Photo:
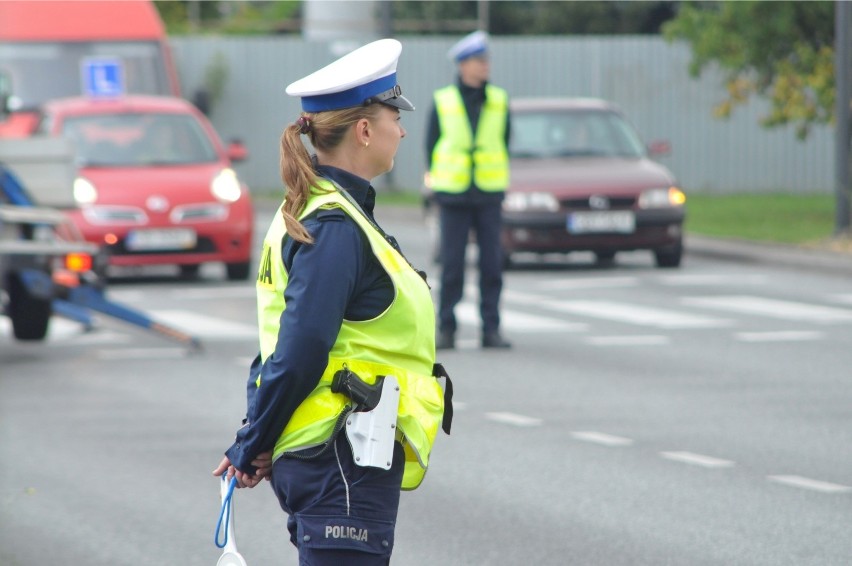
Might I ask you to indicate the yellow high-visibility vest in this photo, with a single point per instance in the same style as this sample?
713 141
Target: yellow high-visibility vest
399 342
459 156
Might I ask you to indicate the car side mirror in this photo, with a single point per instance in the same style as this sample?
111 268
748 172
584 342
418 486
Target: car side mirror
659 148
237 151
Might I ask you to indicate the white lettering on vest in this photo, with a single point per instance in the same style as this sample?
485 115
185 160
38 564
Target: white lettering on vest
340 531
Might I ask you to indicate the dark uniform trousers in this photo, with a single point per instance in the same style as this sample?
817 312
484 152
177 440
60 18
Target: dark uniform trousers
457 221
339 512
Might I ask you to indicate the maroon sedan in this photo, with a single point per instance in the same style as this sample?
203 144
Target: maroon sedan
582 181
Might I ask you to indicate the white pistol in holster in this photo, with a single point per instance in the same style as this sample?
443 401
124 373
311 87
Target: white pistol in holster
371 427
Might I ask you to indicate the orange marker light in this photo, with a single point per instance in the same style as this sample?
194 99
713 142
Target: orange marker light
78 262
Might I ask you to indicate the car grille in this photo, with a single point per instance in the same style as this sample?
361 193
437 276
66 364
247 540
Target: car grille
615 203
202 246
122 215
199 213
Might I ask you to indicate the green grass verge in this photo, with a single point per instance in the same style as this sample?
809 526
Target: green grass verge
775 217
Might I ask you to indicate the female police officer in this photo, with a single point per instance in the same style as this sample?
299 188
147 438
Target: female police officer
344 320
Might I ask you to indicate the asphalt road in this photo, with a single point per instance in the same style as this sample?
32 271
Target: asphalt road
697 416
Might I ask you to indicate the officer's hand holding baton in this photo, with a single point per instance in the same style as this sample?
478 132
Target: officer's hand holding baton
263 465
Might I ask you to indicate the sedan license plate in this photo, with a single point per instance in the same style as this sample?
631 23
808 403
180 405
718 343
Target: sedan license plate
166 239
612 221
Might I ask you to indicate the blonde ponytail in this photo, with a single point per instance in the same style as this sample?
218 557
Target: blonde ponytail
326 130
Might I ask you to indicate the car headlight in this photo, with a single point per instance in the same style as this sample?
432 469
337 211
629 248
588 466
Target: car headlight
84 191
226 186
661 198
517 202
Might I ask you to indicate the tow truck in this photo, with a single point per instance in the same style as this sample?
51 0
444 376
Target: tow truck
46 269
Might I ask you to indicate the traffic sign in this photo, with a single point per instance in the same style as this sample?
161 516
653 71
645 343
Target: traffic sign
103 77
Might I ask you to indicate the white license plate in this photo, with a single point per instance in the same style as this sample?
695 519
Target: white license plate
596 222
166 239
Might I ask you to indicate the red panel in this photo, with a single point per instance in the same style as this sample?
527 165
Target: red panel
42 20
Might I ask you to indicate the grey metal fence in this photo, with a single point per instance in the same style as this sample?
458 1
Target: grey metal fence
646 76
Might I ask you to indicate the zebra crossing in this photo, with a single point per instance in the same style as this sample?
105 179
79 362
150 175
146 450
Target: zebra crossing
594 308
749 318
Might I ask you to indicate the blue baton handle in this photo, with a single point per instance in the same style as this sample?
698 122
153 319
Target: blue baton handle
225 513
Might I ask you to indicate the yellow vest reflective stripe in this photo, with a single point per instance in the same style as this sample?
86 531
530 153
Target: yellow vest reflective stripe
458 155
399 342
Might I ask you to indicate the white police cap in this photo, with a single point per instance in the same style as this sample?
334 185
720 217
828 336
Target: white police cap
364 76
473 44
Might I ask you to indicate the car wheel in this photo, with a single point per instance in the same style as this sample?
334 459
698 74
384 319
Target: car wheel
189 272
238 271
30 315
605 257
670 256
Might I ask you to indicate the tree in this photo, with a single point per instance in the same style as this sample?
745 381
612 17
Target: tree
505 17
779 50
532 17
254 17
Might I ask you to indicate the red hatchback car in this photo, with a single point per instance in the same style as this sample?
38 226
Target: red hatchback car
582 180
155 183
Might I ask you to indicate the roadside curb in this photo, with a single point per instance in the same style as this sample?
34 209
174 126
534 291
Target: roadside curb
787 256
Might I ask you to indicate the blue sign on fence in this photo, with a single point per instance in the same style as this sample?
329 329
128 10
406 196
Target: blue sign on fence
103 77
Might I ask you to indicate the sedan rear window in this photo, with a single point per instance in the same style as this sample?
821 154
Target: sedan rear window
138 139
574 133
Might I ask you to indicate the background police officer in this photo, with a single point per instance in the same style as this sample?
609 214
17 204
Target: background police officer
466 145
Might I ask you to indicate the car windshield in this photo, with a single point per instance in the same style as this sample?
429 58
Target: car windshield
43 71
570 133
116 140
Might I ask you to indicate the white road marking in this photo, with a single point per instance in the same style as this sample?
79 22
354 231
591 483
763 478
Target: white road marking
844 298
699 279
204 326
143 353
786 310
468 313
587 283
127 296
468 344
513 419
813 485
642 340
697 459
639 315
602 438
780 336
100 337
63 330
203 293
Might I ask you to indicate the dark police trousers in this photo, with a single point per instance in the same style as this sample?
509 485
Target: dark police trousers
457 221
339 512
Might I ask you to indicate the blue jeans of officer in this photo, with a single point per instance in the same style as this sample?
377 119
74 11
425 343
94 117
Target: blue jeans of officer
457 221
339 512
